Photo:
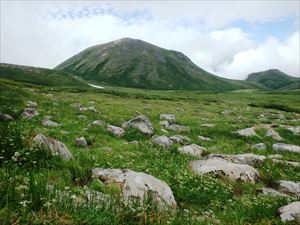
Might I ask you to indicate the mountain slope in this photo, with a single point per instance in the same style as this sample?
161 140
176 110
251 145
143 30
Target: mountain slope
274 79
135 63
38 76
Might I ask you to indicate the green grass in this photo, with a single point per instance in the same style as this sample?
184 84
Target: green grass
24 184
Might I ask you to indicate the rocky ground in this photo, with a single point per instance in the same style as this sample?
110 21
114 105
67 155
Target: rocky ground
124 156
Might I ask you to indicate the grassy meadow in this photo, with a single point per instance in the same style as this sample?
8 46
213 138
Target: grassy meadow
25 179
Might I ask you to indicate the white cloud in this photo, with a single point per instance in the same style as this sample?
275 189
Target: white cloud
29 36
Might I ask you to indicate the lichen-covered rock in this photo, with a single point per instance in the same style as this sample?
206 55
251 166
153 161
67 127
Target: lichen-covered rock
259 146
49 123
54 146
142 123
272 133
117 131
192 149
221 167
290 187
137 186
290 212
29 113
286 147
163 141
247 132
248 158
81 142
171 118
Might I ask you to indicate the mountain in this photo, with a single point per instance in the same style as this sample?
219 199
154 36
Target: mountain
38 76
275 79
135 63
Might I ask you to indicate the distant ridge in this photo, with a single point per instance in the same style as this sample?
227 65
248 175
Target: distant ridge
134 63
275 79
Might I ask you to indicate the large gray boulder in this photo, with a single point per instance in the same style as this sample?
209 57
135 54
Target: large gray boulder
221 167
163 141
29 113
117 131
247 132
142 123
137 186
49 123
290 212
272 133
247 158
286 147
54 146
192 149
290 187
171 118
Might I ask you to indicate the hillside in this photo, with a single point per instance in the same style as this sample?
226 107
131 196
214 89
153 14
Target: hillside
38 76
275 79
135 63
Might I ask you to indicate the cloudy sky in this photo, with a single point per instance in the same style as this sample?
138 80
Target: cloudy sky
230 39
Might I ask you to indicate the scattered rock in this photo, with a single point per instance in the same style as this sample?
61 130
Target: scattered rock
207 125
296 164
89 108
259 146
107 148
133 143
271 191
81 142
290 212
295 130
248 158
117 131
290 187
171 118
178 128
180 139
202 138
221 167
97 123
31 104
49 123
28 113
5 117
164 123
137 186
247 132
163 141
286 147
192 149
272 133
142 123
55 147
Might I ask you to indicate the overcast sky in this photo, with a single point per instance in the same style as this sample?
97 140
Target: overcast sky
230 39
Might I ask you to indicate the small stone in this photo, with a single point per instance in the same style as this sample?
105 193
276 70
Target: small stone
89 108
142 123
202 138
180 139
5 117
163 141
259 146
270 191
207 125
272 133
290 187
97 123
296 164
106 148
29 113
31 104
290 212
117 131
81 142
192 149
247 132
171 118
49 123
178 128
164 123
